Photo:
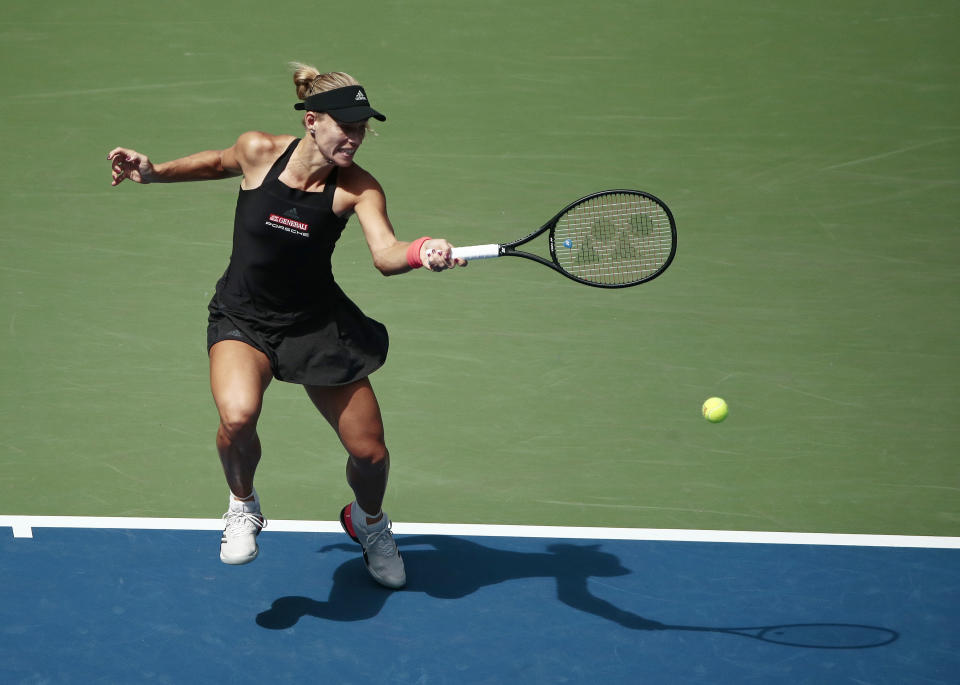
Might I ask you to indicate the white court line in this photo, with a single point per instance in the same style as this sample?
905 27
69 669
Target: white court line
130 88
890 153
23 528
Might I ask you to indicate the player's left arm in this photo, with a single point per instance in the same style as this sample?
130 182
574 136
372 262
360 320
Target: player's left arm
390 254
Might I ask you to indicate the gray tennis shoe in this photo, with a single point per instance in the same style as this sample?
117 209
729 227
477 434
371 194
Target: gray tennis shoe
380 553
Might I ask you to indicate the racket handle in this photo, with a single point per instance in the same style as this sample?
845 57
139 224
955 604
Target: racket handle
475 252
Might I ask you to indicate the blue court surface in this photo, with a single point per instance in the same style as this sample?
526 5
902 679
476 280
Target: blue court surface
156 606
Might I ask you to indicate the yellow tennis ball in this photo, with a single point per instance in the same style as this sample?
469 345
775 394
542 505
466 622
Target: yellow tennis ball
715 410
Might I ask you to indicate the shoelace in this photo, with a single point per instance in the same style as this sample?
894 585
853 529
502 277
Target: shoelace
242 523
381 542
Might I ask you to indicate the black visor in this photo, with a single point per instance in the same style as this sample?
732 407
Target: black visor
348 104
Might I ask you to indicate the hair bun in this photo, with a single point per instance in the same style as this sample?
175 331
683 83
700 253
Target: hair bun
303 78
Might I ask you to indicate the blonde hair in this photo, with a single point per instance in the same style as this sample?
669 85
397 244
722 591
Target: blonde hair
309 81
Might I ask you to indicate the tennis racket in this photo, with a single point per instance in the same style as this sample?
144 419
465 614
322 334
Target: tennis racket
610 239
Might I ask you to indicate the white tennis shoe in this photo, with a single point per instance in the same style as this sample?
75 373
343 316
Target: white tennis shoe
242 524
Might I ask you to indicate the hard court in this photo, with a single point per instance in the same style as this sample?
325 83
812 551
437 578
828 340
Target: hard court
565 513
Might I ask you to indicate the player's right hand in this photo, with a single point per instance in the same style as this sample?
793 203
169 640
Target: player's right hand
126 163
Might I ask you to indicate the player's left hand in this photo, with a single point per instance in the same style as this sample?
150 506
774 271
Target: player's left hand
436 255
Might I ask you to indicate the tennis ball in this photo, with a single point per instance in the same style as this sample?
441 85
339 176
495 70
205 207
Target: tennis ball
715 410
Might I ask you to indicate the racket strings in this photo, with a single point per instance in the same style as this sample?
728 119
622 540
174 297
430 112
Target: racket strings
614 239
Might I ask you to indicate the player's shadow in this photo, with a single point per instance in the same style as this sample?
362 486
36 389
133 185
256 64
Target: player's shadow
451 567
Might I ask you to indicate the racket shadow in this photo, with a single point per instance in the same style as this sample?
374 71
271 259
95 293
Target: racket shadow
447 567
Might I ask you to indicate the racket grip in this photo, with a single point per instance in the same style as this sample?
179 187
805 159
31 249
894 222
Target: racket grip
469 252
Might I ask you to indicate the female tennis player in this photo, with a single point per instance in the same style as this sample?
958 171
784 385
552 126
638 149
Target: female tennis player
278 313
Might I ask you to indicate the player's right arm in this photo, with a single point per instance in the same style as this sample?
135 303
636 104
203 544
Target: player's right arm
246 157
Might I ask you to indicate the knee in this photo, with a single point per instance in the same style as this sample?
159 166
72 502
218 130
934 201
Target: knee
238 420
369 454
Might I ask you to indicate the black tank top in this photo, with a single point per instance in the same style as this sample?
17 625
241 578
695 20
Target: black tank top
283 238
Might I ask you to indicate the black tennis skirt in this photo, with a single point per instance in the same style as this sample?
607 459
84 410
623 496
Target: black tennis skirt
340 347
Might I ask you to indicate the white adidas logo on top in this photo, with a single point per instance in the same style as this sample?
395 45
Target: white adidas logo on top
361 96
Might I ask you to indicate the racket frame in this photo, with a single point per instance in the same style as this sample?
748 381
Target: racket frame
509 249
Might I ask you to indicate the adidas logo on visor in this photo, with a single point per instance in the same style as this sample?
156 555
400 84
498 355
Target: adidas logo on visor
361 96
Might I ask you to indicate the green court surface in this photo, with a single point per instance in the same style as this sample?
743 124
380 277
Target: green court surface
809 151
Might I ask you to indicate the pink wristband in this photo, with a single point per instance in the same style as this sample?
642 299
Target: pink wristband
413 252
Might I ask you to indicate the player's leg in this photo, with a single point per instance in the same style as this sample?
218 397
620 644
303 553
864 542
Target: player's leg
239 375
354 413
